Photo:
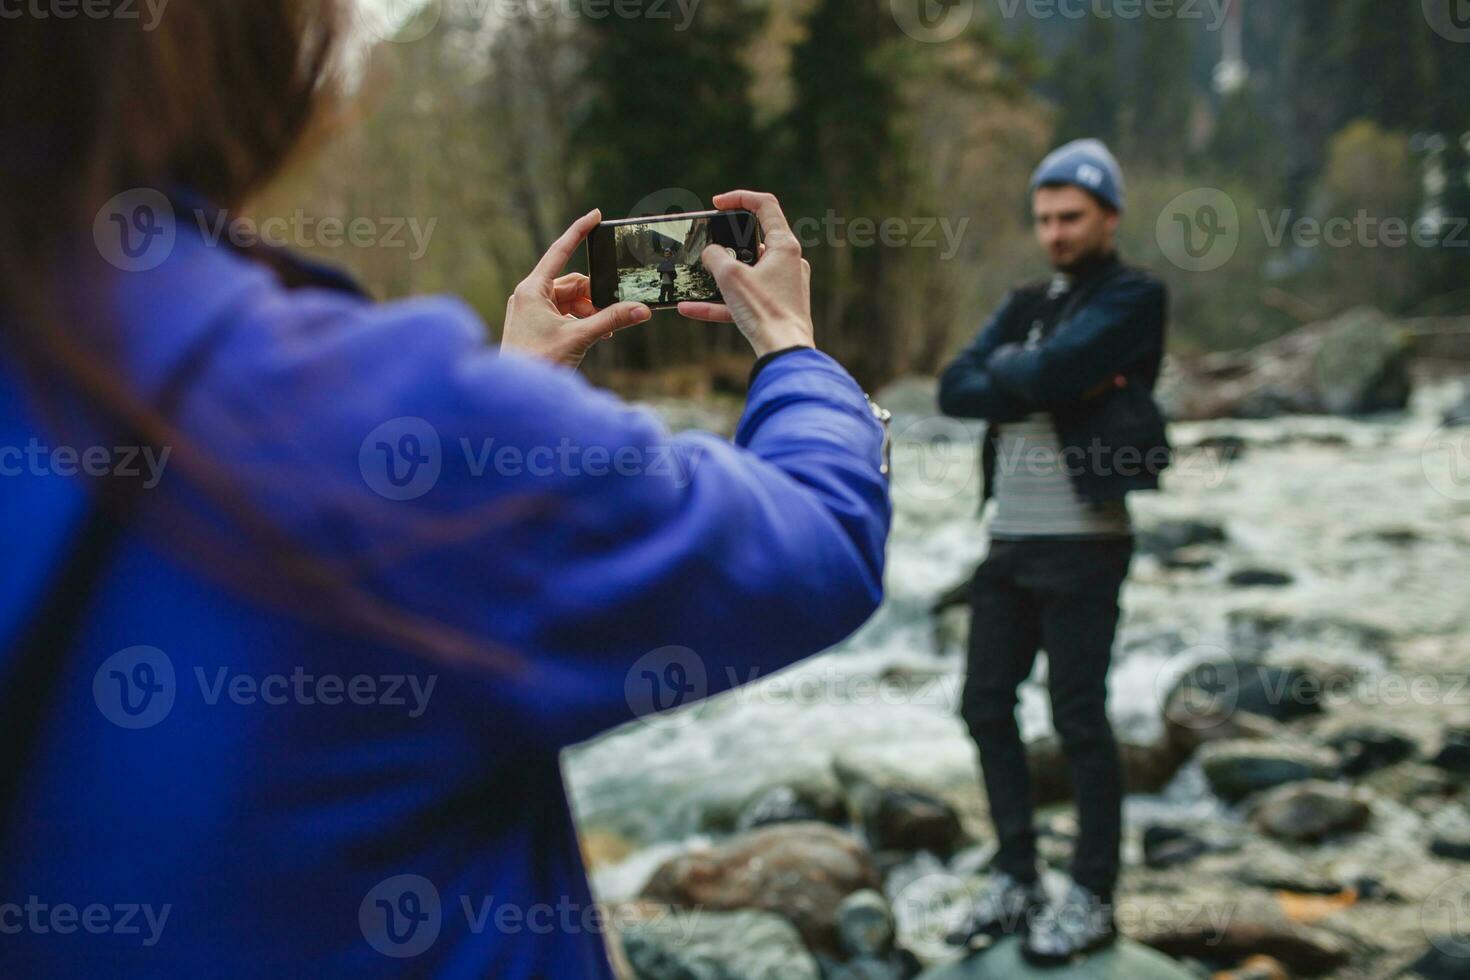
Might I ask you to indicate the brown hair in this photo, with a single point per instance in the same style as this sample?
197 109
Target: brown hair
217 95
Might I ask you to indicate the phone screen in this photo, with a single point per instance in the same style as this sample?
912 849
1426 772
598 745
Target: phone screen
657 260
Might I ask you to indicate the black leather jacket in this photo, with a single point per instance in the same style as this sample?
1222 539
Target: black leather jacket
1092 364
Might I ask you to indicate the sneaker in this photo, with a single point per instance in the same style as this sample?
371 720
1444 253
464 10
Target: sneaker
1080 923
1003 907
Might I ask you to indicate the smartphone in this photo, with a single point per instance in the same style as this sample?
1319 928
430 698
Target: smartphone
656 260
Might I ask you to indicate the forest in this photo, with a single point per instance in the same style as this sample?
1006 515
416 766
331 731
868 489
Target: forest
902 157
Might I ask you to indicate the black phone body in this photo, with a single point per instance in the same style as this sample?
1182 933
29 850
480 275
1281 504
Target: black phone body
657 260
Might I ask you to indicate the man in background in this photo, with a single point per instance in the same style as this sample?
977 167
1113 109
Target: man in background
668 274
1064 373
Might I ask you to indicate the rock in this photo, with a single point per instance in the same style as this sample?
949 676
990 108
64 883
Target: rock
1257 968
901 818
1278 871
1259 578
1397 537
1165 847
1310 811
1354 364
1454 754
898 965
1147 768
1236 769
1124 960
791 804
1303 949
1192 559
1411 783
865 924
1194 716
603 847
1446 959
800 870
1254 633
707 945
1455 848
1362 365
1229 686
1228 447
1459 413
1166 537
1366 749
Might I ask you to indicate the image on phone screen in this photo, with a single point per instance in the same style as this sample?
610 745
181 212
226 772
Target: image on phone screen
658 260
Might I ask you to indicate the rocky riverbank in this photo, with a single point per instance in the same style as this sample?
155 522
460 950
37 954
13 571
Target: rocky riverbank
1290 682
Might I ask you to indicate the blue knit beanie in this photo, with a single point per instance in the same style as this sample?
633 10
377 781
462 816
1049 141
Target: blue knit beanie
1087 164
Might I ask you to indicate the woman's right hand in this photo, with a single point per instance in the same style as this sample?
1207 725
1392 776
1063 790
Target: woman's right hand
771 301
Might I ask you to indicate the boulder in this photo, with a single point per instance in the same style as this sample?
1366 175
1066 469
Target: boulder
900 818
1362 365
1161 540
1304 950
1354 364
791 804
1147 768
1310 811
1454 847
1366 748
1454 753
1276 870
1246 578
865 924
1458 413
802 871
1235 769
1445 959
1165 847
1257 968
705 945
1124 960
1217 691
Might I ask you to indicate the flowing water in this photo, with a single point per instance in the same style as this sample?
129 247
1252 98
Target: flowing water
1369 518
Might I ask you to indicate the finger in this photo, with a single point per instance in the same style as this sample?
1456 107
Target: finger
721 264
709 312
766 208
560 253
582 308
615 318
570 287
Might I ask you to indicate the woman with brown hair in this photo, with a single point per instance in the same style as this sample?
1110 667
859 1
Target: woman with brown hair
303 593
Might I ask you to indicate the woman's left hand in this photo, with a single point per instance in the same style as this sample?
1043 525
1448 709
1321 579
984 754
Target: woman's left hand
552 316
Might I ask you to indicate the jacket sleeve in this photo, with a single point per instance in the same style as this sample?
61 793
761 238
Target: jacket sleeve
733 561
967 389
1114 330
578 534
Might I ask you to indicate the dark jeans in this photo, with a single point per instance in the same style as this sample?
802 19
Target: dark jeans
667 292
1060 595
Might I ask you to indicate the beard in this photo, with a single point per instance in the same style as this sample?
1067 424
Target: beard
1083 260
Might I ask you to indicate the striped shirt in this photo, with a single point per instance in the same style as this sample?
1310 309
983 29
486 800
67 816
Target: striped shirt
1034 496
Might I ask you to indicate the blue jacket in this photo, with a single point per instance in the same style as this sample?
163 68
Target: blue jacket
1114 326
221 790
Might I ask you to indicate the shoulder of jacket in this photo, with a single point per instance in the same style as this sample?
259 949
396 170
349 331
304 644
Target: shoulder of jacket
1135 275
1035 289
